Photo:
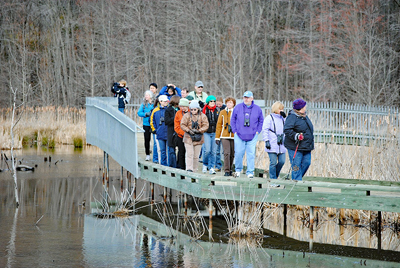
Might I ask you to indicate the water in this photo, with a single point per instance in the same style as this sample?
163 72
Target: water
55 227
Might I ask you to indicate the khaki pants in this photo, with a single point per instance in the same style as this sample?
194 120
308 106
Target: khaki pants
192 156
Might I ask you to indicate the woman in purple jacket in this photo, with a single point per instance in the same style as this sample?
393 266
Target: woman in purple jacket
274 137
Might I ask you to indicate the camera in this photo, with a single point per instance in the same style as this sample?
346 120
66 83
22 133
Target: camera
161 120
279 139
247 122
229 128
195 125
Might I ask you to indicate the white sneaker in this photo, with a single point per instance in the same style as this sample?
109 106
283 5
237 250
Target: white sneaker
236 174
250 176
204 169
212 171
147 157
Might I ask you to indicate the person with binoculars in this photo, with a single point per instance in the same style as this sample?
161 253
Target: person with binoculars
121 92
246 123
274 137
299 139
160 128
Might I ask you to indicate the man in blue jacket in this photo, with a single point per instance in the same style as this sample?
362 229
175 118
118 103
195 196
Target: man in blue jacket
246 123
161 128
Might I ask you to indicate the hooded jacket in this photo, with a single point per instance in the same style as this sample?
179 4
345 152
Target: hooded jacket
254 114
273 125
297 124
159 123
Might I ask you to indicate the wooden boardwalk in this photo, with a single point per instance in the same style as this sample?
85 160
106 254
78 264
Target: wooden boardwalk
312 191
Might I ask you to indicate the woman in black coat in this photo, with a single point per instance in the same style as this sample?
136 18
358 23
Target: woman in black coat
170 112
299 139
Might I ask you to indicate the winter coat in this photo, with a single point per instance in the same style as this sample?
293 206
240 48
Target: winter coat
164 91
224 119
212 117
159 123
273 125
145 108
297 124
169 121
255 116
122 93
177 123
186 125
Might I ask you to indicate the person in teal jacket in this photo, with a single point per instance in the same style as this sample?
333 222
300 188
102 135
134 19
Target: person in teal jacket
145 111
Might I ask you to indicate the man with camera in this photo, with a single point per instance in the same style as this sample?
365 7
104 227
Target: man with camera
274 137
246 123
161 128
122 93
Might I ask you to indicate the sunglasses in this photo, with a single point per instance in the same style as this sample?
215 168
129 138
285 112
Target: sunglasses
200 87
212 101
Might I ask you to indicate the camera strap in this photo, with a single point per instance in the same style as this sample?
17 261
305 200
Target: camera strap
283 122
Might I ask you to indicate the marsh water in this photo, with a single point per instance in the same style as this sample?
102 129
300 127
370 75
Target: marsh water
55 226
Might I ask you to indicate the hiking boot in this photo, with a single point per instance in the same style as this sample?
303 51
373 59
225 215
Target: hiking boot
212 171
204 170
227 174
147 157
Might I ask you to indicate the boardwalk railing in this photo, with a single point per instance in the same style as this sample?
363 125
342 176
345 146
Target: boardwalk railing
350 123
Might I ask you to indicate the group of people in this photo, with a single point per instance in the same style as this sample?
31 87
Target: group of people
201 125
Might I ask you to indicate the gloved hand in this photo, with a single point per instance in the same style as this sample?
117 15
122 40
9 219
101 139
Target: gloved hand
147 114
299 136
217 142
268 145
191 132
196 131
283 114
153 131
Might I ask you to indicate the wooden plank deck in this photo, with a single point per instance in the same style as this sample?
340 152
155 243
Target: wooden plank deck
312 191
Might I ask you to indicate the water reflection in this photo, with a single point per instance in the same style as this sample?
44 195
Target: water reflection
54 226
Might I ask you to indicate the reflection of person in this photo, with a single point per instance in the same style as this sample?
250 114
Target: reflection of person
198 93
122 93
273 136
145 111
161 128
299 139
194 122
225 135
246 122
184 108
169 121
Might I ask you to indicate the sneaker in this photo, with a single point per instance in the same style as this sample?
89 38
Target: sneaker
274 185
236 174
189 170
147 157
212 171
250 176
204 169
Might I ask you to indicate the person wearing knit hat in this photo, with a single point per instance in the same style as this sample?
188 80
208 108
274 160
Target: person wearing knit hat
210 147
299 139
183 109
194 124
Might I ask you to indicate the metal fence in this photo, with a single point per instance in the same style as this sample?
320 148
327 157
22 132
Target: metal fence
343 123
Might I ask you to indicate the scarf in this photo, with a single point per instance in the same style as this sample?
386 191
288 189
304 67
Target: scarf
300 114
209 108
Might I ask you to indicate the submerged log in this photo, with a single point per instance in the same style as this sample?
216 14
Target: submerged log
24 168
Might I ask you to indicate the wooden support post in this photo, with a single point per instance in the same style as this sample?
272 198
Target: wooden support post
122 181
186 205
284 219
152 193
107 171
104 167
134 188
165 195
210 209
379 229
311 227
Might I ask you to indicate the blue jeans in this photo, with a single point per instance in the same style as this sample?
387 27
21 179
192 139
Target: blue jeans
155 150
276 162
171 156
210 150
301 163
163 151
218 163
122 110
240 148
